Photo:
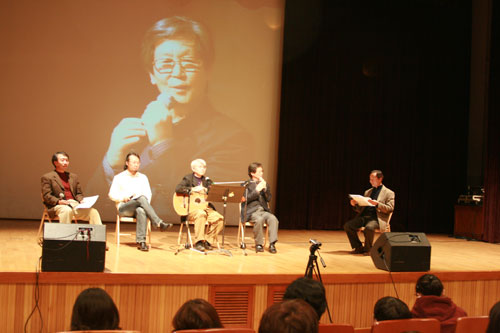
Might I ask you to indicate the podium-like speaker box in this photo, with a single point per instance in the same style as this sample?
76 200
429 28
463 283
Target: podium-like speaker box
73 247
402 252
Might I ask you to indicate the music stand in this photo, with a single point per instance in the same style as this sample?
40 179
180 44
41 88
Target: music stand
226 192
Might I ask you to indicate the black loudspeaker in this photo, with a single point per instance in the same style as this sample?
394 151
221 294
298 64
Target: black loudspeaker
73 247
402 252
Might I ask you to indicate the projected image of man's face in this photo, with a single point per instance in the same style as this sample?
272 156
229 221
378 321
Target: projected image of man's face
178 71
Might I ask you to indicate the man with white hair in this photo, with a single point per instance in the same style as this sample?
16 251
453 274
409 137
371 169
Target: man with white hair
197 183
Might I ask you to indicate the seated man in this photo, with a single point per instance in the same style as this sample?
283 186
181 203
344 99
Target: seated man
370 217
62 192
196 182
256 208
131 192
390 308
431 303
310 290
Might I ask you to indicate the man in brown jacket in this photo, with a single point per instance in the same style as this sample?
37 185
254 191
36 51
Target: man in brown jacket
61 192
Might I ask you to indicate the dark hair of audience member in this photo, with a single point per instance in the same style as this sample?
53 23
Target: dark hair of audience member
94 310
494 324
195 314
429 284
310 290
390 308
292 316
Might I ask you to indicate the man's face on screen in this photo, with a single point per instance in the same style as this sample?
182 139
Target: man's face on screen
178 71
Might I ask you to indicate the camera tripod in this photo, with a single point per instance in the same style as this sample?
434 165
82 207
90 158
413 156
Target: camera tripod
313 267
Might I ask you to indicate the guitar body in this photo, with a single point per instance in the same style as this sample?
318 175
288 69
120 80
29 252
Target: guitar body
195 201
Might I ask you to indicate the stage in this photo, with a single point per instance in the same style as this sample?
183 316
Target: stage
148 287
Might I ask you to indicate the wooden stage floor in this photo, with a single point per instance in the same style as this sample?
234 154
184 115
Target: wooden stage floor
144 284
20 253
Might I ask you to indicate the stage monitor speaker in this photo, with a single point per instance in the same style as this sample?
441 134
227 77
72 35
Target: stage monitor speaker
73 247
402 252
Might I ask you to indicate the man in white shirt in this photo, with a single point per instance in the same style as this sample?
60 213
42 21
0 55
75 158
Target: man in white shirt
131 192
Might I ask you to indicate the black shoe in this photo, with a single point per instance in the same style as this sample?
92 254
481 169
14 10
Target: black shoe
272 248
199 246
358 250
164 226
259 248
207 246
142 246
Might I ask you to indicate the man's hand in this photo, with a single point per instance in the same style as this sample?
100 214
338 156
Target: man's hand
63 202
353 202
199 189
373 202
157 120
127 199
126 134
261 185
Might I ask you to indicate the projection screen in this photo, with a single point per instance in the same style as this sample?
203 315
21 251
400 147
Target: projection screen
93 78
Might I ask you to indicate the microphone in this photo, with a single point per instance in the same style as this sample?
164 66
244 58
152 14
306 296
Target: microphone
167 100
63 197
246 183
209 181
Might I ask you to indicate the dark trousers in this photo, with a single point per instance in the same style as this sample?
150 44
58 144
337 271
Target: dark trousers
260 217
351 228
141 210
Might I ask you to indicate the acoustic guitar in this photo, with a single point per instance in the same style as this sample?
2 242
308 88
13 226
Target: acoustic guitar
195 201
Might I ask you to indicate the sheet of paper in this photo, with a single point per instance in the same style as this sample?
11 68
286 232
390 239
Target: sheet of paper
88 202
361 200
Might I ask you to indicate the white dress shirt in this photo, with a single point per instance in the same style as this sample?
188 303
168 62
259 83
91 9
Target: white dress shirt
126 185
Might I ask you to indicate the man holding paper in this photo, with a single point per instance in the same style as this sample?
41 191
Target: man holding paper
373 210
61 192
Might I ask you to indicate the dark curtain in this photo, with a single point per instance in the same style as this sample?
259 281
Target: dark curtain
492 172
373 85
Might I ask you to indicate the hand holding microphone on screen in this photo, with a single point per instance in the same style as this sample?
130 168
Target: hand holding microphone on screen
155 125
158 119
126 136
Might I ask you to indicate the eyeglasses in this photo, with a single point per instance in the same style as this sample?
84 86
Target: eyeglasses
167 65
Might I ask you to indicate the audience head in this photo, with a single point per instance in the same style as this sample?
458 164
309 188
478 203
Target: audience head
94 310
292 316
196 314
390 308
311 291
494 325
429 284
